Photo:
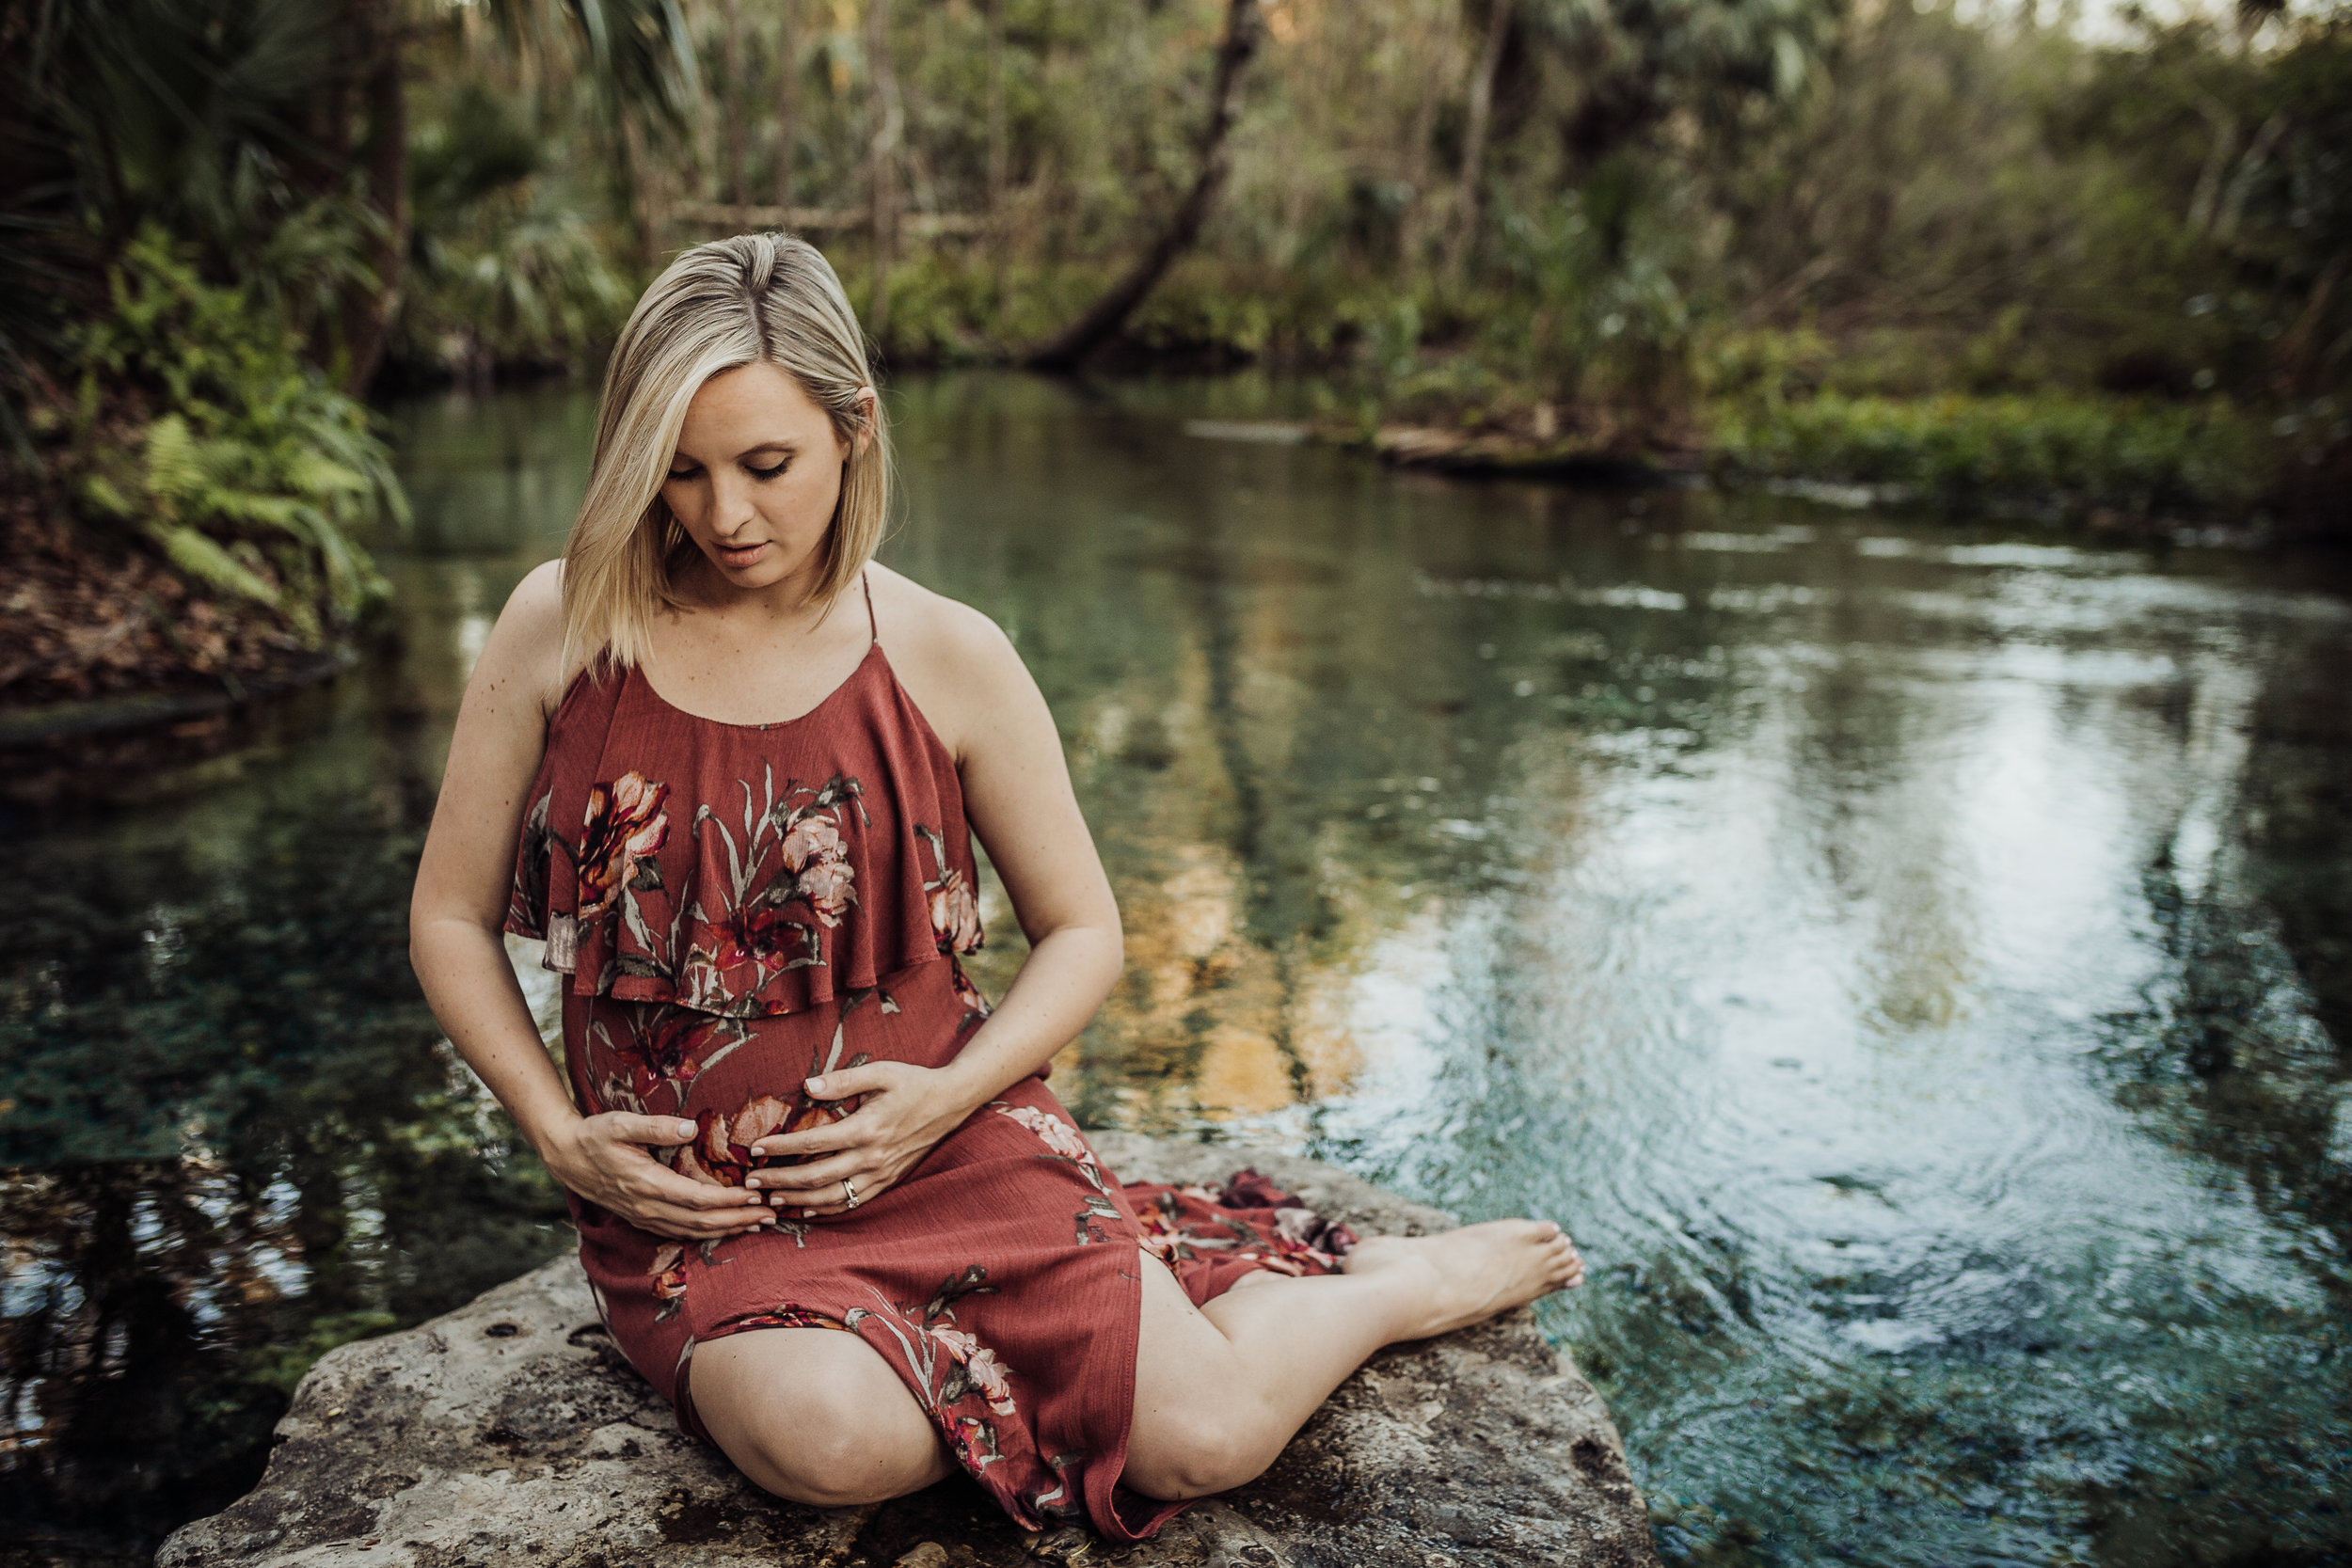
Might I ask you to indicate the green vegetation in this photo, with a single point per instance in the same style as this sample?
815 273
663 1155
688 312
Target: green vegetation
220 224
2130 455
257 478
1977 252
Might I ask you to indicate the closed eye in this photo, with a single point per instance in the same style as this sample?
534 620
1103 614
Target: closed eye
694 471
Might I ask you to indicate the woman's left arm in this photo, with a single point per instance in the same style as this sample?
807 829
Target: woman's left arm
1017 794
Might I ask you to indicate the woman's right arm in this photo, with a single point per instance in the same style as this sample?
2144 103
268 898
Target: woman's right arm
458 913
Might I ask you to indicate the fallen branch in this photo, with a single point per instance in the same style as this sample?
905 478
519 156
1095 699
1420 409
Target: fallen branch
1109 313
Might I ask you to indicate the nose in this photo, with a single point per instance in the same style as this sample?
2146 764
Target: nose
731 508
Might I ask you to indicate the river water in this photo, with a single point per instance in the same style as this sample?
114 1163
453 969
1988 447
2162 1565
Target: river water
1909 954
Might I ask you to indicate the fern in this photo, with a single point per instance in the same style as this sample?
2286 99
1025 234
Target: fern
200 555
252 447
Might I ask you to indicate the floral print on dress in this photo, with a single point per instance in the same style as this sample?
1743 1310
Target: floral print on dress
981 1368
1302 1242
653 1071
959 1380
720 1153
788 1316
1054 1132
789 878
624 826
1064 1142
976 1007
668 1272
747 900
955 913
526 899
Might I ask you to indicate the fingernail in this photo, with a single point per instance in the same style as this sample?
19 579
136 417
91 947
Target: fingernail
685 1129
816 1085
751 1182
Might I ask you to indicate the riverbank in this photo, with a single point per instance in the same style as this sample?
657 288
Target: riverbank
90 615
2112 464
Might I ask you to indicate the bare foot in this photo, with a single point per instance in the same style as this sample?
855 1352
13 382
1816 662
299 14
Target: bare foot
1469 1275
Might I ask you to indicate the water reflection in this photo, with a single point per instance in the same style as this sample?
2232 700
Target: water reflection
1909 954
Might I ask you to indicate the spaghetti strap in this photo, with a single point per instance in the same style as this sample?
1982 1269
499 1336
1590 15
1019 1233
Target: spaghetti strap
871 629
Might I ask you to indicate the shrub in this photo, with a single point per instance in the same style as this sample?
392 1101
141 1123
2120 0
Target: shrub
224 449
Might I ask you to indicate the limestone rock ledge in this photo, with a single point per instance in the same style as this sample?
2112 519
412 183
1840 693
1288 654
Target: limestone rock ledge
511 1432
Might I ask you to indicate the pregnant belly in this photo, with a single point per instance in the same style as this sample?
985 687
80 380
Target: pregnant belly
743 1079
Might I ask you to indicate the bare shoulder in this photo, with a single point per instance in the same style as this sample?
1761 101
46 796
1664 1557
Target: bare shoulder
523 656
953 660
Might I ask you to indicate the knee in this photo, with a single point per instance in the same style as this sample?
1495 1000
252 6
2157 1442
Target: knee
819 1451
1174 1455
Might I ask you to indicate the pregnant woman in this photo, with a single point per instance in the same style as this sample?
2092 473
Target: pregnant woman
727 768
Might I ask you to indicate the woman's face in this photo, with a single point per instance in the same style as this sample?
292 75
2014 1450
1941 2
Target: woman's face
756 476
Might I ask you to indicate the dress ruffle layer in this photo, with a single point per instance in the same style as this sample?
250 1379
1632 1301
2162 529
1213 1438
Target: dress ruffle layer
728 889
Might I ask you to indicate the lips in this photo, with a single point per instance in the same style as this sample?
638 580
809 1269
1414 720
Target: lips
741 556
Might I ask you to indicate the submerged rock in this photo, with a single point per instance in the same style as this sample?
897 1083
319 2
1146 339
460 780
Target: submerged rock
511 1431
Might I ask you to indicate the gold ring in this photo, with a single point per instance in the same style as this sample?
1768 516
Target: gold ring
849 1194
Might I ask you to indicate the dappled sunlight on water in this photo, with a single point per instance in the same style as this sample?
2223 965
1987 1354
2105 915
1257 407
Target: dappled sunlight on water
1905 953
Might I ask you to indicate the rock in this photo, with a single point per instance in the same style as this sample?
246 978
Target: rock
512 1431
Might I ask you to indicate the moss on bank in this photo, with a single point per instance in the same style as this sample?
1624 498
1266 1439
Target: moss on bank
2037 450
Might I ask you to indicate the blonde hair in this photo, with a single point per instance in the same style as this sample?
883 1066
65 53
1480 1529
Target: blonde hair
751 299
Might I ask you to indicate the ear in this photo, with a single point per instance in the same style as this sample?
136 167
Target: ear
868 402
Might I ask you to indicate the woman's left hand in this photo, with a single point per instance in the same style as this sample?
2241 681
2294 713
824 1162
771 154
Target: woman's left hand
907 1110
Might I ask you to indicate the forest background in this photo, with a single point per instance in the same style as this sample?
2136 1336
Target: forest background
2090 267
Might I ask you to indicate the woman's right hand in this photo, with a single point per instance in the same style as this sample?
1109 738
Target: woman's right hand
604 1159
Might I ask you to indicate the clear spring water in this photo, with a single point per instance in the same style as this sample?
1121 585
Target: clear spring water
1909 954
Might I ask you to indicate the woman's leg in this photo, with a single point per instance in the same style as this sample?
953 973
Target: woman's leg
815 1415
1220 1390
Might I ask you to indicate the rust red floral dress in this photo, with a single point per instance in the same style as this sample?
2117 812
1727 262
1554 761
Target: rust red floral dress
741 907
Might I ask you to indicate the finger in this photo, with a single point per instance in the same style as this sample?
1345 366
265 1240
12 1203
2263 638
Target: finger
800 1184
844 1081
704 1224
830 1138
735 1214
663 1131
664 1185
826 1211
870 1187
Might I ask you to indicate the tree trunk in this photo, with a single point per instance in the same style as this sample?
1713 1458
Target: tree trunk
998 240
787 100
1412 223
646 206
732 107
1482 103
368 322
2291 361
1107 314
883 115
